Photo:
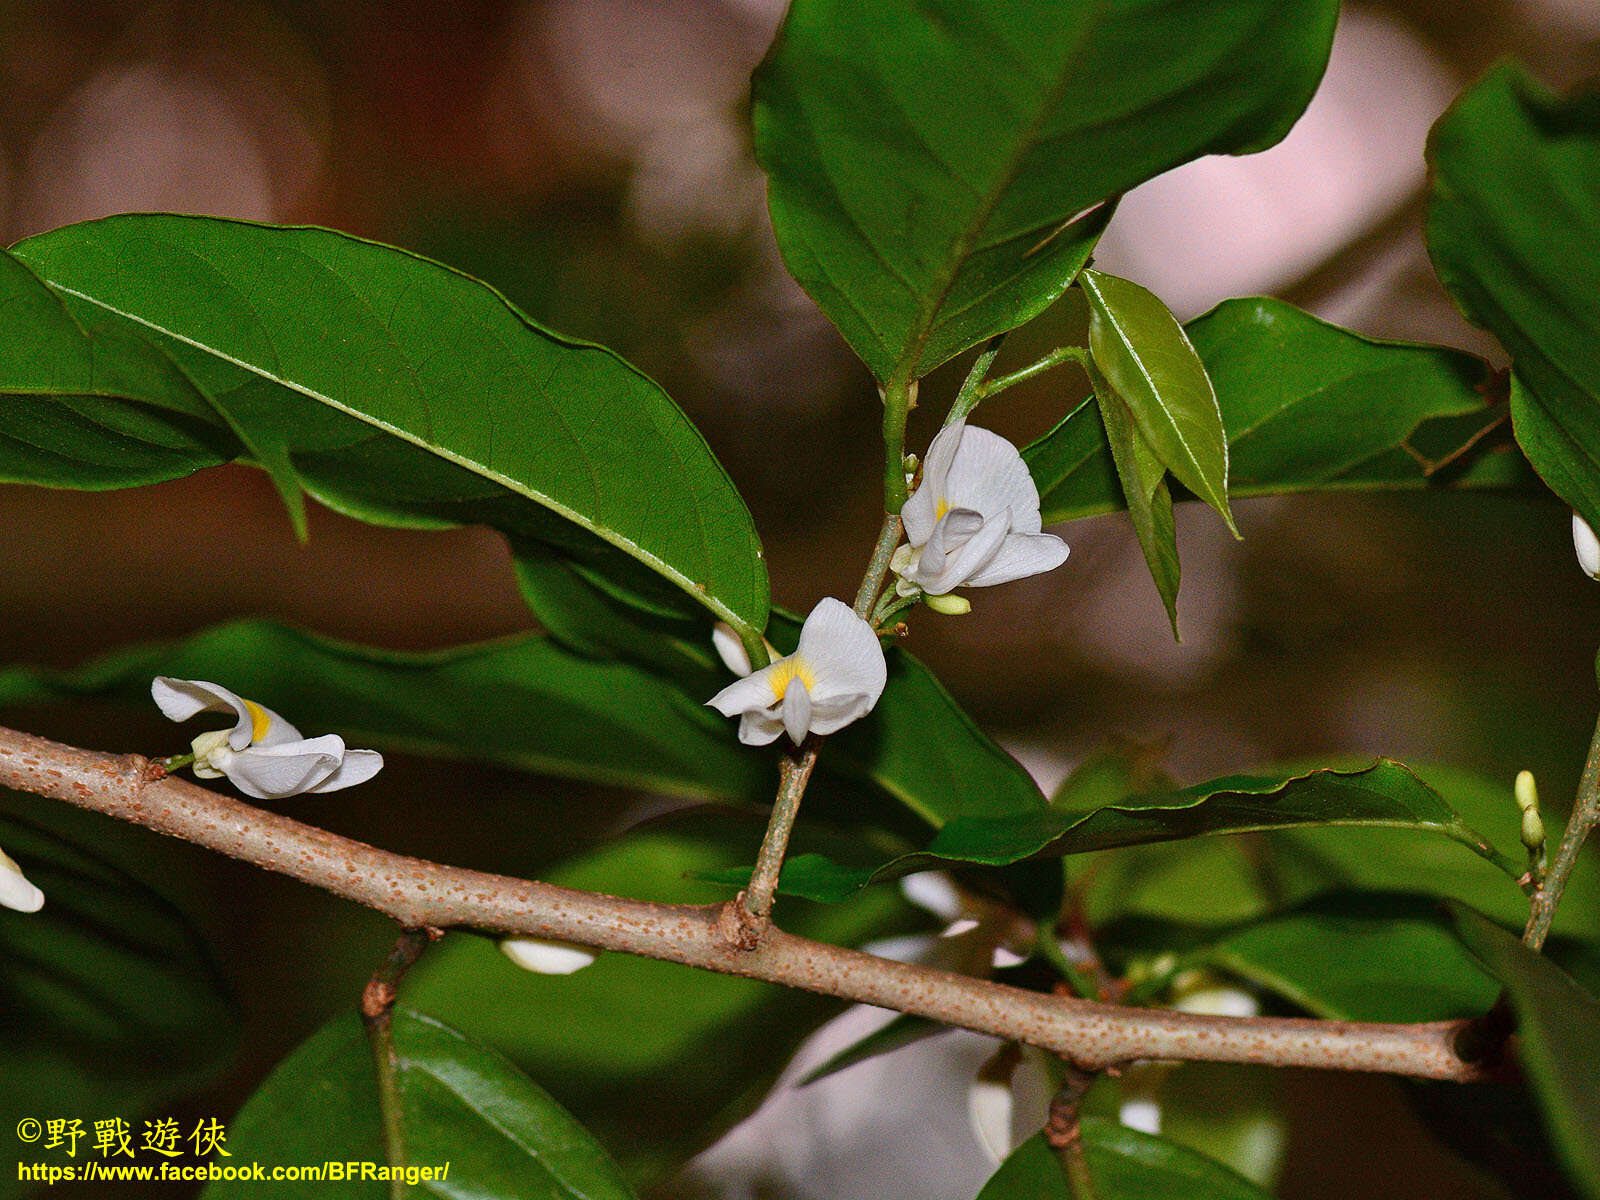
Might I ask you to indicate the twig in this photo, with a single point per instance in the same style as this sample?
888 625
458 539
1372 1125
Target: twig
377 1014
878 566
972 387
899 398
421 894
1585 814
793 774
1062 1129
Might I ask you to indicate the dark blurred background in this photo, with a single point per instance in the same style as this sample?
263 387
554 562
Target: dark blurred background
591 159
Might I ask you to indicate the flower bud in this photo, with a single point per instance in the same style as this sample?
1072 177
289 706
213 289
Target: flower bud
1587 546
547 956
950 606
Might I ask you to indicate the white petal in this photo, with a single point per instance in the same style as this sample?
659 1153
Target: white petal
180 699
760 728
358 767
989 475
1218 1002
753 693
730 649
15 889
832 715
547 956
272 772
1587 546
843 654
796 711
920 513
989 1109
972 557
1021 555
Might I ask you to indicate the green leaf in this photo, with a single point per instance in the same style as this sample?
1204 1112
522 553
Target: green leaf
1558 1042
1140 350
926 162
462 1104
1144 491
438 403
1514 233
1124 1164
1383 795
521 702
112 1002
1307 406
657 1059
1360 956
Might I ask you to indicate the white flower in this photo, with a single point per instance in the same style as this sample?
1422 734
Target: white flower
263 755
15 889
1587 546
835 675
974 522
547 956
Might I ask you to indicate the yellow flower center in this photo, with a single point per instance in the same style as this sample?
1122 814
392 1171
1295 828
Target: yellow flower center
259 721
784 671
940 509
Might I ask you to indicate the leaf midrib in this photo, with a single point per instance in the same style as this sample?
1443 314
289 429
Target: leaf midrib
625 544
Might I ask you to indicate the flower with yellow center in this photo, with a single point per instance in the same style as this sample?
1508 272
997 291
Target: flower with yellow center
262 755
834 677
974 521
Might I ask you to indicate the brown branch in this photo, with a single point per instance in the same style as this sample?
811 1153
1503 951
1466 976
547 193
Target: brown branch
421 894
377 1014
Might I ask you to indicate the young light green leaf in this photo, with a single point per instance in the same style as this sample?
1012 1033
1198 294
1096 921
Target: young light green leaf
1139 348
1124 1164
395 390
1308 407
1514 233
928 164
113 1002
1558 1027
461 1104
1144 490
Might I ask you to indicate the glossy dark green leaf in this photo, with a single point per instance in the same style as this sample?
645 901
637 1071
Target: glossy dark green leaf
1143 477
1383 795
658 1059
111 1001
1558 1039
1308 406
387 386
926 162
1514 233
1360 956
461 1104
521 701
1141 351
1124 1164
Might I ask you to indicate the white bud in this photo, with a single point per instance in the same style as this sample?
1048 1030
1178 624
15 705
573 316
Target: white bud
1587 546
547 956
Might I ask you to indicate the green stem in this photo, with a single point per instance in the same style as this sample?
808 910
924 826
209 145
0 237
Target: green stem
1082 984
972 390
878 566
793 775
177 761
1585 814
377 1014
899 398
1055 358
892 605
